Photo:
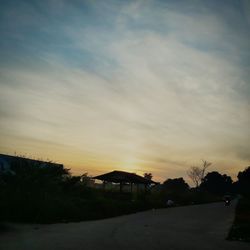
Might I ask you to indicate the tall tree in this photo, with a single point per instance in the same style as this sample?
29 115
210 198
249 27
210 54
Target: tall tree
196 174
243 183
216 183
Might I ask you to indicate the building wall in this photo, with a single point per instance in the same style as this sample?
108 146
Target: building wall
6 161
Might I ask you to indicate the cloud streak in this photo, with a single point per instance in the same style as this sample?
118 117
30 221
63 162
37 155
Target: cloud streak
142 85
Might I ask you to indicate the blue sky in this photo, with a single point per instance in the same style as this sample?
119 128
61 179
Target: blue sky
134 85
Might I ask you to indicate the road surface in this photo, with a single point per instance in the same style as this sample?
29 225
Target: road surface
200 227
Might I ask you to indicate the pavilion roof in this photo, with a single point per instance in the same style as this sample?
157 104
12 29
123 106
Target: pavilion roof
124 177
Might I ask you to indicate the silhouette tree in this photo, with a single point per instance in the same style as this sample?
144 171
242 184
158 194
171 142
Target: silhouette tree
243 183
175 189
196 174
175 185
216 183
148 176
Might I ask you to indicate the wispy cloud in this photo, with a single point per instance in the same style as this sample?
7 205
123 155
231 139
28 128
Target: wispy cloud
145 85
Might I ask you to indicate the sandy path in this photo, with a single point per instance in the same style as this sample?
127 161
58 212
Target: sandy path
191 227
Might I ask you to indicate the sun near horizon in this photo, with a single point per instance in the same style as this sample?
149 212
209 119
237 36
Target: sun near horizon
140 86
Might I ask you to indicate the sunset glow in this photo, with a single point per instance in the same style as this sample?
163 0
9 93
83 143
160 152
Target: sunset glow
140 86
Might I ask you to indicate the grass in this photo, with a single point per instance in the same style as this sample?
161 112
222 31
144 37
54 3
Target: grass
241 227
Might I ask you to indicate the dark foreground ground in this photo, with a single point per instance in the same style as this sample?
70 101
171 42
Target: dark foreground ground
191 227
241 226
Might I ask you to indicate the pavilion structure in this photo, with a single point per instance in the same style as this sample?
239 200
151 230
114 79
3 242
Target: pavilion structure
124 178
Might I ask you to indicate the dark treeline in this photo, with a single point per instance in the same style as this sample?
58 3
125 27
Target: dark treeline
49 193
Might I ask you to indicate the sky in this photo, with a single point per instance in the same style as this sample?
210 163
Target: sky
141 86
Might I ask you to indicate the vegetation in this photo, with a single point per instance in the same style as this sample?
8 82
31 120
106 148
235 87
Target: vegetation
48 193
216 183
242 186
176 190
241 226
196 174
148 176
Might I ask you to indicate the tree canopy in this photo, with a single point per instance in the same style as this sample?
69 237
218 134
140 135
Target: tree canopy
175 185
216 183
243 183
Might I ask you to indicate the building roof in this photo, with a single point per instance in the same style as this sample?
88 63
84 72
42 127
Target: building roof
7 160
124 177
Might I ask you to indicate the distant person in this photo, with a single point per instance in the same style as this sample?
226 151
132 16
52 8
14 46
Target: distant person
170 203
227 200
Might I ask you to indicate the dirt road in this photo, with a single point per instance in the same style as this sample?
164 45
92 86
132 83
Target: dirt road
192 227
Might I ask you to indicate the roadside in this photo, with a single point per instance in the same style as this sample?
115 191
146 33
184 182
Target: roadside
180 228
240 229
